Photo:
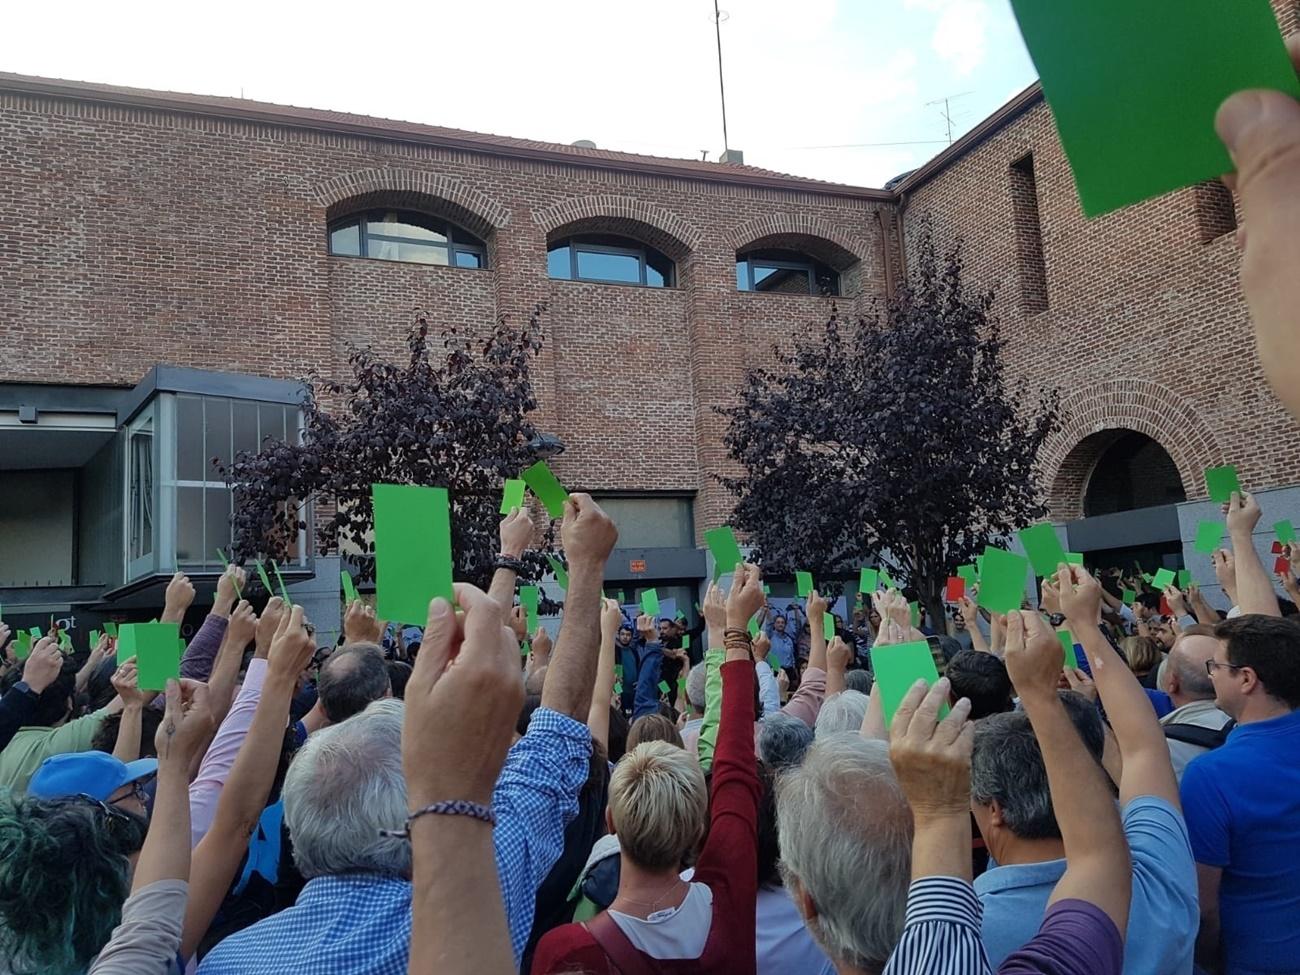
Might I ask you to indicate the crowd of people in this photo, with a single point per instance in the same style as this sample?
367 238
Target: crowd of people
470 798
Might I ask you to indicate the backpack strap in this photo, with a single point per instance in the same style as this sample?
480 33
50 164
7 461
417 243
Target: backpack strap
1201 737
623 955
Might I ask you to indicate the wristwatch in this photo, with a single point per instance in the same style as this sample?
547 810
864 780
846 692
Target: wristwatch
23 688
1056 619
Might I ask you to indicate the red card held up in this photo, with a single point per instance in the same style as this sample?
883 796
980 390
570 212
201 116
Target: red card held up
956 589
1277 548
1282 565
1165 608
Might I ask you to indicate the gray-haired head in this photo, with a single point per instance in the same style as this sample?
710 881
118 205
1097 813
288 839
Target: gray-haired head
782 741
342 788
1007 766
845 833
842 712
859 680
695 688
350 679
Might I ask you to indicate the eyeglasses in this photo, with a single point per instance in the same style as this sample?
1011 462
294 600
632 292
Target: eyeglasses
1212 665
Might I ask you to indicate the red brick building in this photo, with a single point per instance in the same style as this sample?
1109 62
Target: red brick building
232 244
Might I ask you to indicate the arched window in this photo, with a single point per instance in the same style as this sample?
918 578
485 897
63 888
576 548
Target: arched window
404 235
1133 472
610 260
785 272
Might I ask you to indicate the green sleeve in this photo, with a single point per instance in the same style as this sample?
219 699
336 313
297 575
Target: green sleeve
75 736
712 706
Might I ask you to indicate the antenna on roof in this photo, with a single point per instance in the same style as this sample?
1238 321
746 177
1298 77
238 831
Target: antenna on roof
718 17
947 110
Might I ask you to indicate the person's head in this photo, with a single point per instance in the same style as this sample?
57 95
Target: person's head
860 681
778 623
105 739
54 704
1186 678
983 678
1162 632
64 875
97 775
1256 667
350 679
653 727
624 635
845 832
782 741
1009 793
873 617
695 690
658 806
1143 653
343 787
399 672
842 712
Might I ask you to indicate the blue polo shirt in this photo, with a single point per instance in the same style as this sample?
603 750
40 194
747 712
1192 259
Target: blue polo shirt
1242 802
1162 920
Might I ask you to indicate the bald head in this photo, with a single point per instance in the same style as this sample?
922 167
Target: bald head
1186 679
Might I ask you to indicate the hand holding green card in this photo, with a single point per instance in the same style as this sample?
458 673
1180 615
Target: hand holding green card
805 583
1285 532
650 602
1134 86
1002 580
547 487
157 651
1221 482
726 552
897 668
1163 579
1067 644
349 587
412 550
512 496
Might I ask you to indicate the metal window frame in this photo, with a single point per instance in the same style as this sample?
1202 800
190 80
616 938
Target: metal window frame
451 245
640 252
810 266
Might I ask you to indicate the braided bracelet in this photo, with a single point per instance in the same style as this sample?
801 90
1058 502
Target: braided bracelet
451 807
510 564
729 634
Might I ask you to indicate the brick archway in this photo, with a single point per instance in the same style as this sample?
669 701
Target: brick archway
1070 454
650 224
416 190
801 232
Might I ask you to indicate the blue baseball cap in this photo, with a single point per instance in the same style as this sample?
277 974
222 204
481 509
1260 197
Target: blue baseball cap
94 774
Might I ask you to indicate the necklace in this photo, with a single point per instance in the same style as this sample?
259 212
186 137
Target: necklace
654 904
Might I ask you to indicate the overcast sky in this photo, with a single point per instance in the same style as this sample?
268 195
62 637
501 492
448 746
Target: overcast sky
637 76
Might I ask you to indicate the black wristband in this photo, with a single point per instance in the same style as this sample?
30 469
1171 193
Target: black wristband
513 565
1056 619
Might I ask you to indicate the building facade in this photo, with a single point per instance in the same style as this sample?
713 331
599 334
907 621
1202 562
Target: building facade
171 264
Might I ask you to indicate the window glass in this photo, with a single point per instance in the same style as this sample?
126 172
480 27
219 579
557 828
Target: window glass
244 425
189 438
469 259
270 421
742 275
216 414
782 280
557 262
658 270
216 521
142 491
189 524
400 235
346 240
406 225
785 272
602 266
651 522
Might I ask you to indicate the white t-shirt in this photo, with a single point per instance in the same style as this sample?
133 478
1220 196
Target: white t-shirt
678 932
784 946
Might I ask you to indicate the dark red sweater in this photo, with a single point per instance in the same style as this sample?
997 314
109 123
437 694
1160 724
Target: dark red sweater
728 864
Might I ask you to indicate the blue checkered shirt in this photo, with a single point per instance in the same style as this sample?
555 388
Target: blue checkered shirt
360 924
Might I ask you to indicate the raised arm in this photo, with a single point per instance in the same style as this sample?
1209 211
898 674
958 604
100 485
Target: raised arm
715 616
1225 570
1147 767
589 537
360 625
126 683
96 657
40 670
1097 857
516 535
970 613
837 664
225 672
1254 585
817 630
646 699
598 715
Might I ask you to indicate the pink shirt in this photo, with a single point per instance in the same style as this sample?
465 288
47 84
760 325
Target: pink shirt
205 790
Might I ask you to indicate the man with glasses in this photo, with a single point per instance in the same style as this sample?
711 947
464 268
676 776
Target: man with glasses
1242 803
96 775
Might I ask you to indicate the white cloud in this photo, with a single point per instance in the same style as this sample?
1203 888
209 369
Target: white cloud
960 33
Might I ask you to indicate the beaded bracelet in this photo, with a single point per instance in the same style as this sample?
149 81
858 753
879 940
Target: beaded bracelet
513 565
451 807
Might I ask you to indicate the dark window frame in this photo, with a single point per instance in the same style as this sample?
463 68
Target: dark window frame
808 265
453 247
642 252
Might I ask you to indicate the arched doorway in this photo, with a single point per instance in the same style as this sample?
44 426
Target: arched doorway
1132 472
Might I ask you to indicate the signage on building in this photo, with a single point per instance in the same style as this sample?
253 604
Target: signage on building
637 565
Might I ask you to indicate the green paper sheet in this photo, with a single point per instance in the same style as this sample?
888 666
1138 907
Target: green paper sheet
512 495
1130 597
804 580
828 625
1045 551
968 573
530 598
1208 536
726 551
650 602
1285 532
663 687
94 638
1067 644
916 613
1184 578
1134 86
349 587
1074 558
110 628
1221 482
1163 578
412 551
561 576
284 590
65 640
868 579
776 667
547 487
225 567
753 627
686 641
23 645
618 671
887 580
1002 580
618 687
897 668
1148 578
265 579
157 651
36 633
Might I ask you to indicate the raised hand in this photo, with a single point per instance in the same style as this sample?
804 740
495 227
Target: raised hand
242 626
611 618
816 605
890 633
838 655
541 645
44 665
518 623
932 758
645 626
1174 597
180 593
1079 594
1034 656
587 532
1243 513
1077 680
229 586
186 724
715 608
360 624
762 646
516 533
1049 597
1225 570
746 595
892 606
782 683
292 648
126 681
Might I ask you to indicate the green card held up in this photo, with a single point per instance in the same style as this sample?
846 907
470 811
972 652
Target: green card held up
1184 578
23 645
1130 597
1221 482
561 576
1208 536
349 587
915 609
1045 551
157 651
753 631
284 590
530 598
726 551
1285 531
512 496
1067 644
547 487
828 625
1134 86
886 580
650 602
265 579
868 579
412 550
1002 580
110 628
805 582
663 687
968 573
1074 558
1163 578
897 668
